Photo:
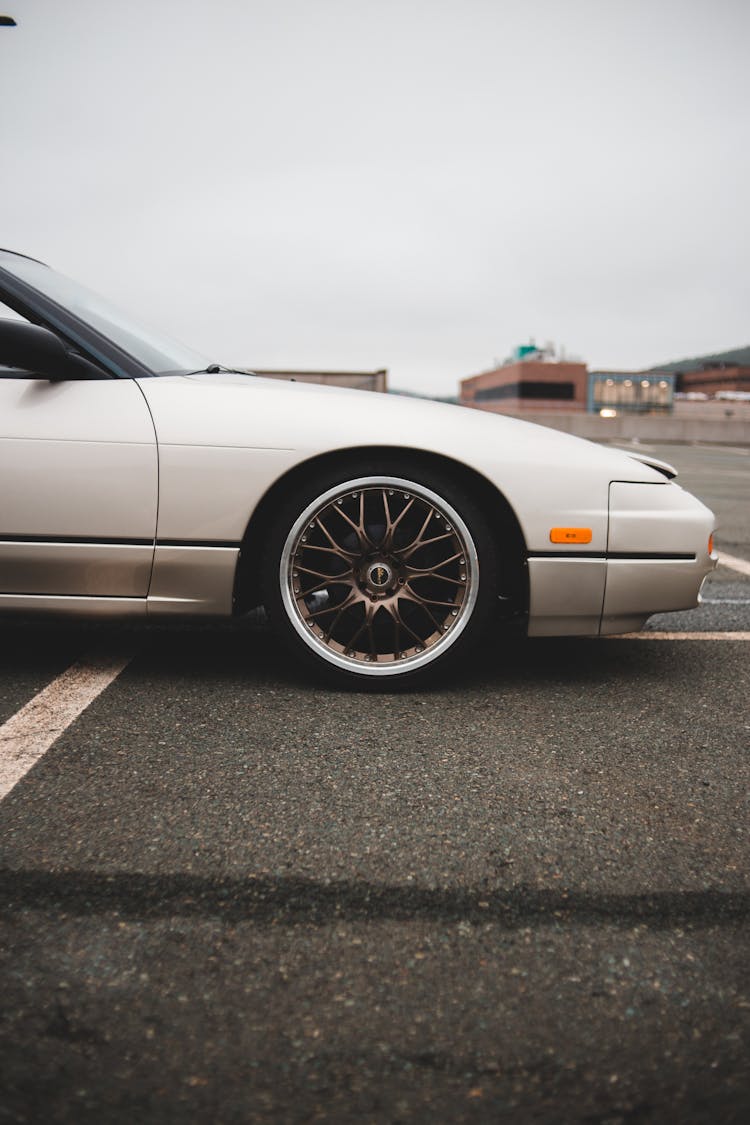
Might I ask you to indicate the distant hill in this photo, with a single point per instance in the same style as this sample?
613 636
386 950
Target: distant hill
739 356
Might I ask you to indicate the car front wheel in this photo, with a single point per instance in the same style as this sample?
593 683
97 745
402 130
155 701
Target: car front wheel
379 578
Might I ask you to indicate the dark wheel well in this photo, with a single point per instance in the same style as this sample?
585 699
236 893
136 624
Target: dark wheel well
505 529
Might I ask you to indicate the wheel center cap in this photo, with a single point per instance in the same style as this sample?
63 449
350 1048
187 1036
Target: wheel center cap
379 576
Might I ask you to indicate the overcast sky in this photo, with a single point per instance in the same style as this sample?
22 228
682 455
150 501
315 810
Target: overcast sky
411 184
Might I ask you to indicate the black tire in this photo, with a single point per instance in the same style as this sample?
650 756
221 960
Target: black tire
380 576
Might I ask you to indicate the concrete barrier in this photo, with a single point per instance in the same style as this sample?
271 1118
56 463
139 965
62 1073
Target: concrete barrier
645 427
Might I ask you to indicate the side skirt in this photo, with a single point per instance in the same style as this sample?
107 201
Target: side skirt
187 580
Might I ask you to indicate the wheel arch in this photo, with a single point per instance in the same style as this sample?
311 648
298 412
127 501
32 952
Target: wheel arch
501 519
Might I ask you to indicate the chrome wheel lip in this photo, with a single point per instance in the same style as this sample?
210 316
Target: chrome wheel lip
417 660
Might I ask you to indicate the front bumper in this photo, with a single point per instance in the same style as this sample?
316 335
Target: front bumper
656 561
658 553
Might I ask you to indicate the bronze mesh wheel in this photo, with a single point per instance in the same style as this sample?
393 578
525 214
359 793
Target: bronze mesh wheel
378 576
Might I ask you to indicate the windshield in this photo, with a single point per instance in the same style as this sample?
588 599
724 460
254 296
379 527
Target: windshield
149 347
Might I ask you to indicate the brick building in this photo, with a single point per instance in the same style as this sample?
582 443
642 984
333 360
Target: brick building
710 374
531 380
714 378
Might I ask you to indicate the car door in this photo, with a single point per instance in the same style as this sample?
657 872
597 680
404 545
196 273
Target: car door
78 488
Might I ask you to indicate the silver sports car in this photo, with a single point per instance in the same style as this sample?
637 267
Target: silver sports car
383 535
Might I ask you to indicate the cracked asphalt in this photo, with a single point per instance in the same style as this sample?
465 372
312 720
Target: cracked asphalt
229 896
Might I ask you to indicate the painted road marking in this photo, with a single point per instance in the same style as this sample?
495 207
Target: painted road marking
654 636
725 601
740 565
28 735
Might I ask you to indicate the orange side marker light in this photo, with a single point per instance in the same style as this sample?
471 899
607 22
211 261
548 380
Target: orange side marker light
570 535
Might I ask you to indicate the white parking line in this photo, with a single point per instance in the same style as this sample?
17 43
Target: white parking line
740 565
654 636
26 736
725 601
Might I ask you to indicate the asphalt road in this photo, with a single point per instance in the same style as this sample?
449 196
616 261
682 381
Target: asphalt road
230 897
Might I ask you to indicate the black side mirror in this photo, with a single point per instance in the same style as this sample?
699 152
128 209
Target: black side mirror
36 349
